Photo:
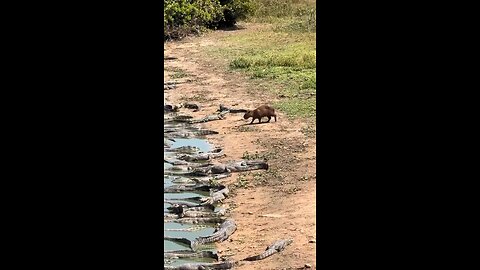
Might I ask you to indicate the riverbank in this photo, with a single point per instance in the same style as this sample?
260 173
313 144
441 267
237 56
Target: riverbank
266 205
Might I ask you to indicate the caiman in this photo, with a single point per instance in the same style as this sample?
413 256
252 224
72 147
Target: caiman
239 166
216 196
221 234
223 109
201 266
198 220
272 249
189 254
215 153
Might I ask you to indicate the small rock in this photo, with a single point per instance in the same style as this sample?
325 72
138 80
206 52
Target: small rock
307 265
250 213
312 241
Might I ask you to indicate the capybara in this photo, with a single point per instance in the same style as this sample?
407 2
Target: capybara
262 111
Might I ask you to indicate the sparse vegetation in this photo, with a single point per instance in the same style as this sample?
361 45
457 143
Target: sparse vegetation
248 156
242 181
259 156
177 73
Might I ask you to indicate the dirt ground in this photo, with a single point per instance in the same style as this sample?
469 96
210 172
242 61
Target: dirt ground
266 205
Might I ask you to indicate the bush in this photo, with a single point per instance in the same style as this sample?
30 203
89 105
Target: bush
183 17
234 10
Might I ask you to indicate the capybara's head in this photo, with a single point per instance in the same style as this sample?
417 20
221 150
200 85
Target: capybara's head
247 115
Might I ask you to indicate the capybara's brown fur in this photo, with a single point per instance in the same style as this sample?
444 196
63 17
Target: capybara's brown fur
262 111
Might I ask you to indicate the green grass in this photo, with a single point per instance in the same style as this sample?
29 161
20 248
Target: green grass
278 10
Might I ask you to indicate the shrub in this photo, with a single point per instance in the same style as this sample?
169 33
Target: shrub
183 17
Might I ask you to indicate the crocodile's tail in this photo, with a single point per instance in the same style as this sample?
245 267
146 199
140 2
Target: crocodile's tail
253 258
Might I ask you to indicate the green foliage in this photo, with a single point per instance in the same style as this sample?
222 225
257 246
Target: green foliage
236 10
183 17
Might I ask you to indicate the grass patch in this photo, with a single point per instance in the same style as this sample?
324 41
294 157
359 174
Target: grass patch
177 72
242 181
249 156
296 107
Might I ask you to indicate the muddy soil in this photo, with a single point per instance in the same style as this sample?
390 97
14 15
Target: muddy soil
267 205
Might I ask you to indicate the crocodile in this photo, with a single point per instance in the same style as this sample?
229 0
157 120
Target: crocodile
272 249
177 208
177 118
212 117
190 134
198 180
240 166
181 212
216 196
170 216
195 214
185 149
215 153
189 254
183 180
194 187
201 266
209 179
221 234
196 199
175 161
174 202
223 109
190 229
179 168
197 220
203 132
178 240
174 82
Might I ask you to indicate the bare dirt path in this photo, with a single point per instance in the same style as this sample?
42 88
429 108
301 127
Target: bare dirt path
266 205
